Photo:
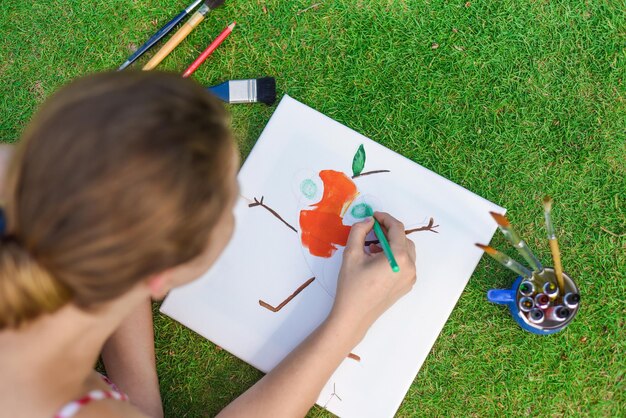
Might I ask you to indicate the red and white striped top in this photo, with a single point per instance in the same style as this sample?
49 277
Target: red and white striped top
72 408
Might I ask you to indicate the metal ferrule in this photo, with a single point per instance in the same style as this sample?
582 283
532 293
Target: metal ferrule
195 4
529 256
549 226
204 9
242 91
521 246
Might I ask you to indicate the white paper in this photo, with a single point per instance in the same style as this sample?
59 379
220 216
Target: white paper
266 260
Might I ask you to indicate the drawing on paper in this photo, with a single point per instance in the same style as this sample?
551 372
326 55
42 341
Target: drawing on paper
333 396
267 260
325 224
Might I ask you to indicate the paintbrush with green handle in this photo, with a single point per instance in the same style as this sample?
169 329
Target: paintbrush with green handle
384 244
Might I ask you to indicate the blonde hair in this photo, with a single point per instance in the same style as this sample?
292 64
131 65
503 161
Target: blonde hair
118 177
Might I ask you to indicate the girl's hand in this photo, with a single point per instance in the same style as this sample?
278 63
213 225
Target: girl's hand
367 286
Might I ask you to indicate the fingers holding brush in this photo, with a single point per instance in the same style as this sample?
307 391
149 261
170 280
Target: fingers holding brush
394 230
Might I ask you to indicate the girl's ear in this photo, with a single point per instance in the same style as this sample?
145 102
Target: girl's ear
158 285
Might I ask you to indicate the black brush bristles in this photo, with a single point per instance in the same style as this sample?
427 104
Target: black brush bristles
213 4
266 90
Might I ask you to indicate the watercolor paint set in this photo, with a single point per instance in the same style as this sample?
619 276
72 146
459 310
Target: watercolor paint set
542 300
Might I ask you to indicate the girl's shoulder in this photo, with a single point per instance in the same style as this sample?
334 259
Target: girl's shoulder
105 399
109 408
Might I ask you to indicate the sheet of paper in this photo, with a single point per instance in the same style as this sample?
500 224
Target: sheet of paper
303 162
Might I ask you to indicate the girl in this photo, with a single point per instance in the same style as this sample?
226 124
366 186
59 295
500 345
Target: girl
122 187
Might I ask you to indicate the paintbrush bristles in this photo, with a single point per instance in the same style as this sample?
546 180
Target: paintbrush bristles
266 90
500 219
212 4
547 203
487 249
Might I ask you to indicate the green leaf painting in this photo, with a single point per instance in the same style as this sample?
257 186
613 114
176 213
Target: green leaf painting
359 161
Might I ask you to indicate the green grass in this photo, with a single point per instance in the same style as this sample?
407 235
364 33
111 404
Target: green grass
519 99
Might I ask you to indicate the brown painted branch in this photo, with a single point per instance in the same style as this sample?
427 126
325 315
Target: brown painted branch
286 301
367 173
430 227
272 211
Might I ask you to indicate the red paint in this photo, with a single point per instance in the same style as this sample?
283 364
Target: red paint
322 227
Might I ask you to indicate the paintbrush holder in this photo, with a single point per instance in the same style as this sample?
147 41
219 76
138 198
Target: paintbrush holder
537 305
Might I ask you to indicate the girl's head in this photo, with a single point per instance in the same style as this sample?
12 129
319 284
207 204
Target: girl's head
118 178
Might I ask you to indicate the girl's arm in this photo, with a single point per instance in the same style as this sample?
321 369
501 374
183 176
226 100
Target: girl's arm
129 359
366 288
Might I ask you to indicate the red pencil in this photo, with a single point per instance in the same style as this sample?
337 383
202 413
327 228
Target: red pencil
194 66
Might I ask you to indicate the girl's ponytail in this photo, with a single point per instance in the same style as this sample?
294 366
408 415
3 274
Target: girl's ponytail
26 289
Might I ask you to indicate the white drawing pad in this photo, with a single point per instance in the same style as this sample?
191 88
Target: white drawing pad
266 260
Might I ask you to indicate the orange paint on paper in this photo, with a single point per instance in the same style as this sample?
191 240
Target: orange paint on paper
322 227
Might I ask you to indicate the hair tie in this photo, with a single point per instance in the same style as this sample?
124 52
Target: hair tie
3 223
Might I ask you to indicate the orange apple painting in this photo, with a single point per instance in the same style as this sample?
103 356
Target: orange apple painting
322 228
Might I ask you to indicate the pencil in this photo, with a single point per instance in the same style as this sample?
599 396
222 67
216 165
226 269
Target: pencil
167 28
209 50
506 261
554 245
519 244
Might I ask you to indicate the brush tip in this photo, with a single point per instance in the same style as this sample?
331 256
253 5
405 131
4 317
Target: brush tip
486 248
500 219
212 4
547 203
266 90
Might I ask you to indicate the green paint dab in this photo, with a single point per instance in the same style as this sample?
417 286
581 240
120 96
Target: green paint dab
362 210
308 188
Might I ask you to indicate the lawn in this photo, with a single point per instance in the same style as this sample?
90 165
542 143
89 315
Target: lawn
510 99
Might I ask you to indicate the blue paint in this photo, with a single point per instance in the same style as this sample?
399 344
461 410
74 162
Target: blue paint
3 223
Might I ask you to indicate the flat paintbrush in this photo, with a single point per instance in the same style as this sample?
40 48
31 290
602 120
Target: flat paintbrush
160 34
246 91
518 243
182 33
554 245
